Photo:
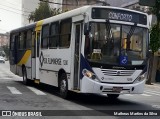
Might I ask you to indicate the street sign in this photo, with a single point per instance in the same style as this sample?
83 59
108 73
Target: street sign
149 3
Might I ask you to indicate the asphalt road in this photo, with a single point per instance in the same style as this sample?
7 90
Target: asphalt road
14 96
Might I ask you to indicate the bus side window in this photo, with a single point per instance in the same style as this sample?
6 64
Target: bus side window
45 36
54 35
29 39
65 33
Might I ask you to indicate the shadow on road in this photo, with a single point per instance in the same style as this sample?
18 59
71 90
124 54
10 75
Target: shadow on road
98 103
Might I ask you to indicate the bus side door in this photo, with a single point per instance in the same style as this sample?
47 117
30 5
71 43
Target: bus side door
35 52
77 36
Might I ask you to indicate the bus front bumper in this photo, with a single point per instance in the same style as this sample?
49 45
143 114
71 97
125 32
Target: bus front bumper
90 86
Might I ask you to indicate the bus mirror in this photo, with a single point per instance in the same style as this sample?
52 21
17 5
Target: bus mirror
86 29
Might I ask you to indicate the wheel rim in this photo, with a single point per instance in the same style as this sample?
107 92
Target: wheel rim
63 86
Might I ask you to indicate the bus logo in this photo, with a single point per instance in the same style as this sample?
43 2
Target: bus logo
118 73
41 59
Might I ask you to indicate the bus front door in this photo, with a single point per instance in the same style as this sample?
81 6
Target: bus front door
77 34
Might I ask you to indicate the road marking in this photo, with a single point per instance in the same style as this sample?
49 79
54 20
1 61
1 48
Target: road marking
152 93
36 91
14 90
145 95
127 94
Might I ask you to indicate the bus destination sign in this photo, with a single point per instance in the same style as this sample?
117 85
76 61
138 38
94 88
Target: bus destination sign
120 15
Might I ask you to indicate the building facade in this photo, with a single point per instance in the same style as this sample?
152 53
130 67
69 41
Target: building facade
73 4
29 6
135 6
4 39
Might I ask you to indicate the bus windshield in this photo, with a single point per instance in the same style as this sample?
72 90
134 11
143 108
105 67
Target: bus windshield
107 43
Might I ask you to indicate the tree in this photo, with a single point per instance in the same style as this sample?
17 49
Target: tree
154 38
42 12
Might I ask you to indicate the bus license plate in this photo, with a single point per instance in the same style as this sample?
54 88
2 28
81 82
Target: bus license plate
117 89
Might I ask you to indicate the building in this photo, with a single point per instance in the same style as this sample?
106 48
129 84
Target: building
72 4
66 5
135 6
4 39
29 6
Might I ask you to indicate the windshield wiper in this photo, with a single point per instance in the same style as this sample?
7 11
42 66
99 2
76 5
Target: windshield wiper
108 28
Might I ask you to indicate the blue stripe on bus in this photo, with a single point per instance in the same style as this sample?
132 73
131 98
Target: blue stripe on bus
84 65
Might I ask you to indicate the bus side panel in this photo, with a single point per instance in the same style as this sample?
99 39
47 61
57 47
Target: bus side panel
49 77
52 62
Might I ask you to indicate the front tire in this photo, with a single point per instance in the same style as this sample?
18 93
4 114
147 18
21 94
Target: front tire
63 86
113 96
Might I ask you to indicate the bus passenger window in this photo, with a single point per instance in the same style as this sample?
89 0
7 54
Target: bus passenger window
22 40
29 39
54 35
65 33
45 36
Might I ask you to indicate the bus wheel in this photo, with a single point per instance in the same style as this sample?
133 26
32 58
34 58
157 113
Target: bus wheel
24 73
63 87
113 96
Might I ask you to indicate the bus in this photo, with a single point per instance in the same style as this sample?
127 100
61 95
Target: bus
92 49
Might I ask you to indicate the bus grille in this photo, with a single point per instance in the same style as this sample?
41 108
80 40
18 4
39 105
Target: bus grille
110 72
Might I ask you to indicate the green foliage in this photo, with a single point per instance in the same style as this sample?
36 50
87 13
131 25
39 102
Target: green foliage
156 9
155 38
155 31
42 12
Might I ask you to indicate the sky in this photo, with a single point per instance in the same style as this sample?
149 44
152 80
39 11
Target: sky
10 15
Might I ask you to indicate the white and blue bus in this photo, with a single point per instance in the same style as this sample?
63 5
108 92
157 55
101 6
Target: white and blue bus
92 49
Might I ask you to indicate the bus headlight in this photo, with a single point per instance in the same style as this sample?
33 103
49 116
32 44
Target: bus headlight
141 78
90 75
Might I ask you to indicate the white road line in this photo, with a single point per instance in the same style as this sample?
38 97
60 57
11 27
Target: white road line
152 93
127 94
14 90
36 91
146 95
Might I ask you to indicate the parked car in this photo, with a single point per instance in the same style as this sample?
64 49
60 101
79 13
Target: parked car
2 59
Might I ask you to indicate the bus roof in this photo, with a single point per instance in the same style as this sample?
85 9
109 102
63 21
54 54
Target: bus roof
29 26
71 13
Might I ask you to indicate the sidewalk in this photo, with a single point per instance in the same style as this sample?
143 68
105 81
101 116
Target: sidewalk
154 85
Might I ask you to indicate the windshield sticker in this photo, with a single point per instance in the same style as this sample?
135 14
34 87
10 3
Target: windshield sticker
137 62
123 60
96 50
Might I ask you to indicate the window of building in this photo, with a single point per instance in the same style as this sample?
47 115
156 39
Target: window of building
54 35
45 36
65 33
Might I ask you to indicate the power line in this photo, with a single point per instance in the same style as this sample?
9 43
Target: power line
13 12
54 2
2 29
15 8
72 4
20 5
